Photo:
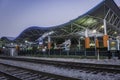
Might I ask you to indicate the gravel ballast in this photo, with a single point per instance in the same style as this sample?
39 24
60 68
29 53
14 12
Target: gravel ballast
75 73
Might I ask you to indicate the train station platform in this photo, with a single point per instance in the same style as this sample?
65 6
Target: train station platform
113 61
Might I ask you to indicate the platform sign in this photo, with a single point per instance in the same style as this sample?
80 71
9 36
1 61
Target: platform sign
113 45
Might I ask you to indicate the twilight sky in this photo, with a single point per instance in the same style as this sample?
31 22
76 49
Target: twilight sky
17 15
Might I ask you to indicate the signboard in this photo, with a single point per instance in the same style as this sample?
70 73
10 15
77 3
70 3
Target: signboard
113 45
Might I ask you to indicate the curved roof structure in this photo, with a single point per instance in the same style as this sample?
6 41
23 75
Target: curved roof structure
31 33
91 20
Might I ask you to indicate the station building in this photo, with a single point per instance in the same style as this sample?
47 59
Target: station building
87 33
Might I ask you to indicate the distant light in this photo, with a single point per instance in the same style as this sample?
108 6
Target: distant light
40 43
11 43
26 41
94 31
92 44
102 26
3 47
115 32
81 37
112 43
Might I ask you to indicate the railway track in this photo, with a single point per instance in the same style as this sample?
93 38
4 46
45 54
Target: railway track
73 65
8 72
4 76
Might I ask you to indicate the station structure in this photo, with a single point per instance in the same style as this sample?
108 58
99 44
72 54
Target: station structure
90 31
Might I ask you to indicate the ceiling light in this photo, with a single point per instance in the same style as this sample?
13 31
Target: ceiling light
102 26
115 32
94 31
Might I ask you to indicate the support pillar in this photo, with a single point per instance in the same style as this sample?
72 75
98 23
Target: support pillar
105 29
49 42
105 37
79 44
87 40
97 48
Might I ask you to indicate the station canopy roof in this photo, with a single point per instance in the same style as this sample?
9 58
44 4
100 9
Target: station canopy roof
91 20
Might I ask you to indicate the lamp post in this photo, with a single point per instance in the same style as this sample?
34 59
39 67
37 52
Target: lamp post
95 40
26 43
49 45
94 32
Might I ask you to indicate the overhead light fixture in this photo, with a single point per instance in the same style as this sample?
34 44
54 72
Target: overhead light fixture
26 41
115 32
102 26
94 31
81 37
3 47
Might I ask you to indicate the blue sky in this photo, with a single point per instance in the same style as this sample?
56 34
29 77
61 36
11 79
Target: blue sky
17 15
